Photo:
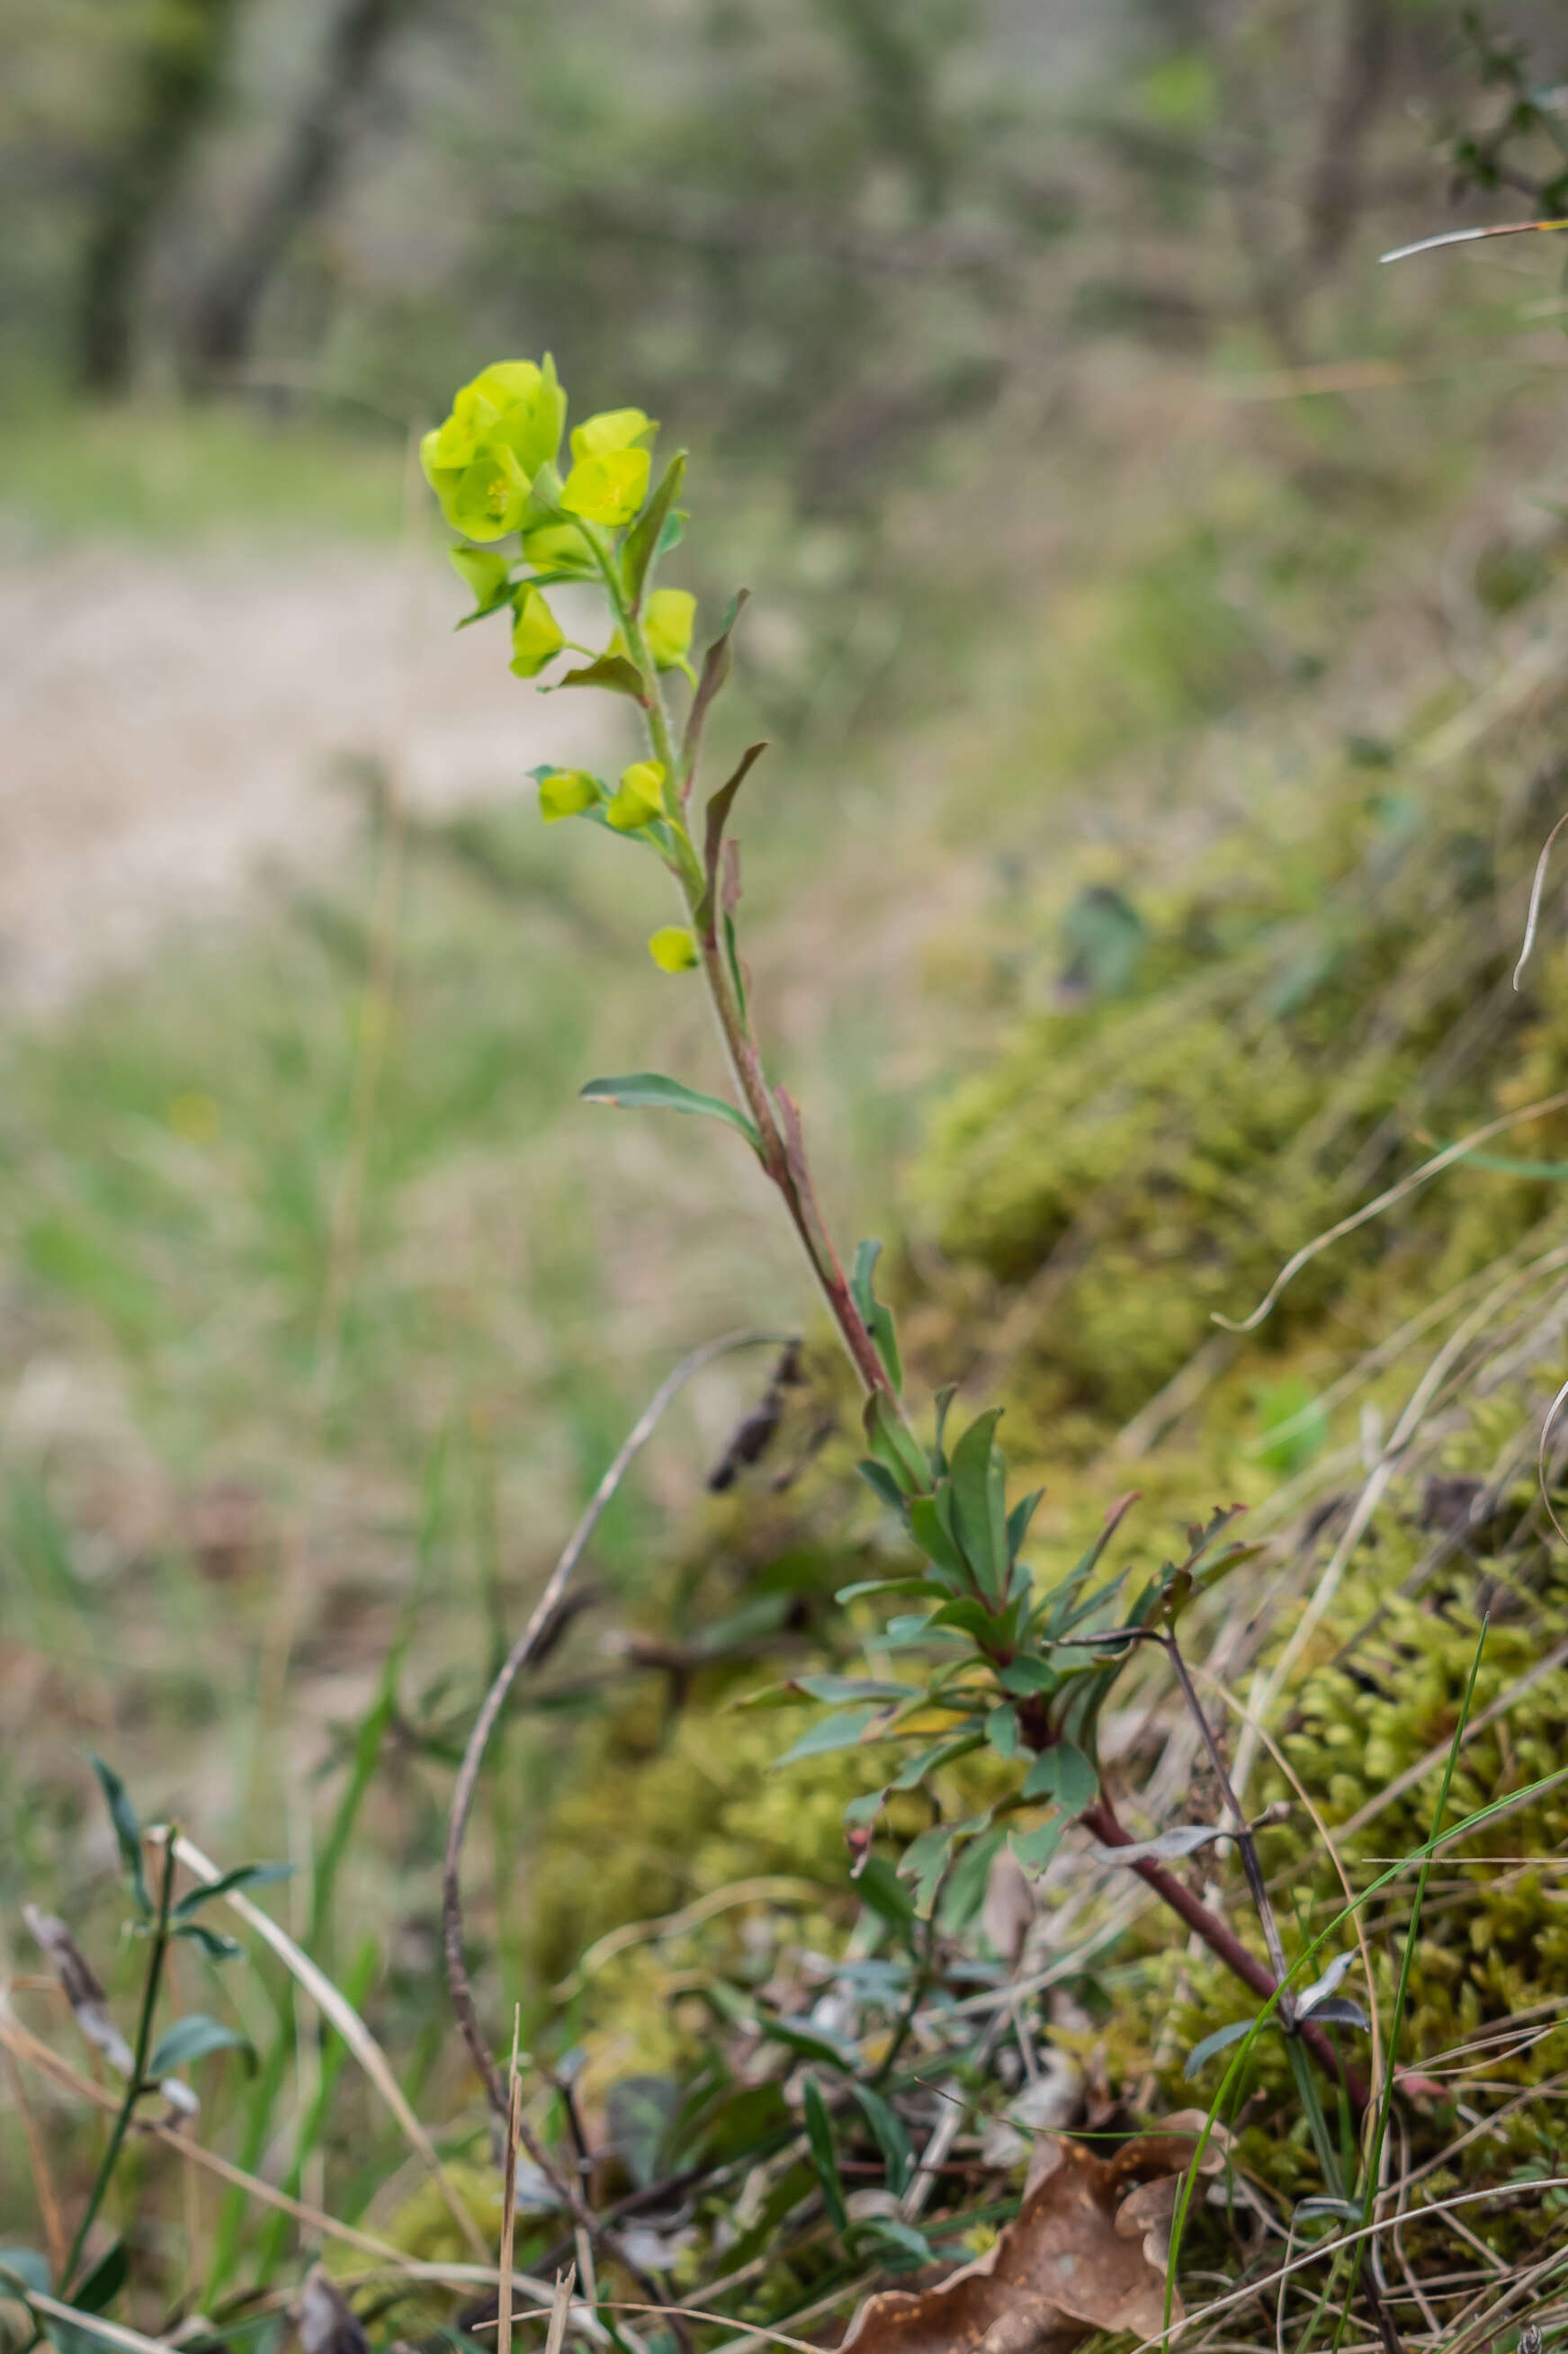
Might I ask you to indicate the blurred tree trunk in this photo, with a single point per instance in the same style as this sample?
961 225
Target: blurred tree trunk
221 324
1337 193
179 78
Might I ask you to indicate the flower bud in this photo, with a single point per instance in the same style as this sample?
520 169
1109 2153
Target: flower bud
639 799
667 623
537 636
673 949
566 793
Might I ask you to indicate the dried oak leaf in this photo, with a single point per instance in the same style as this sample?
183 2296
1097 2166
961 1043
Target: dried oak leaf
1087 2252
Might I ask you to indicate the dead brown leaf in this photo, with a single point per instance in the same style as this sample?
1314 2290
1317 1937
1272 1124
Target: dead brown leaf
1088 2250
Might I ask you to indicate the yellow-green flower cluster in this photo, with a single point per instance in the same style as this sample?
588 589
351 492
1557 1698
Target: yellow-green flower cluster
493 465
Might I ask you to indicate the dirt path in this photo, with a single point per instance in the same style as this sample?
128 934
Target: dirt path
172 722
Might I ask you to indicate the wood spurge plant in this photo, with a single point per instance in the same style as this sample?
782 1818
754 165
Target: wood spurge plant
985 1660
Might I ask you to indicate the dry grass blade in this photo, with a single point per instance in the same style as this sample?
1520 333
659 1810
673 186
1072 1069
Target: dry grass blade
336 2007
555 2336
509 2197
1328 2249
1386 1200
92 2325
1536 890
56 2239
769 1888
1469 236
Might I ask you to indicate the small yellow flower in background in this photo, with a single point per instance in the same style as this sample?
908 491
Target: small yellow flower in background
667 624
673 949
612 429
537 636
196 1119
558 548
607 490
566 794
641 797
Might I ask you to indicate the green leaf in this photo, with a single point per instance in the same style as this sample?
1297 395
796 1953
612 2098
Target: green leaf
820 2135
882 1484
931 1533
965 1892
969 1617
939 1447
651 1091
811 2043
191 2039
1064 1773
716 817
244 1875
104 2282
127 1833
924 1860
836 1688
895 1446
874 1313
914 1771
880 1887
1222 2038
888 1585
1001 1729
841 1732
1026 1675
979 1504
27 2267
1035 1849
612 671
213 1942
1018 1522
888 2130
643 543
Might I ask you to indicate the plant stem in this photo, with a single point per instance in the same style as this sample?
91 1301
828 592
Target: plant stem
783 1152
135 2084
1221 1939
1244 1838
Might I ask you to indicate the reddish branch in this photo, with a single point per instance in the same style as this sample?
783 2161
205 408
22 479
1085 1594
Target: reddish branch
1222 1940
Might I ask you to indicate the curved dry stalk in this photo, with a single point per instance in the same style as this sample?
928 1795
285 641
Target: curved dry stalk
1386 1200
516 1660
334 2005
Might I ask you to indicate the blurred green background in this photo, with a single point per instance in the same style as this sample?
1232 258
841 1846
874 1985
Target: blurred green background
1100 497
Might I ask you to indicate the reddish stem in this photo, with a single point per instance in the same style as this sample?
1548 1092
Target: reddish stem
1222 1940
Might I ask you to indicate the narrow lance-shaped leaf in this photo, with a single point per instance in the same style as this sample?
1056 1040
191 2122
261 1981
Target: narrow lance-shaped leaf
193 2038
652 1091
1220 2040
715 670
643 543
979 1504
127 1833
887 2128
244 1875
874 1313
716 817
820 2134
